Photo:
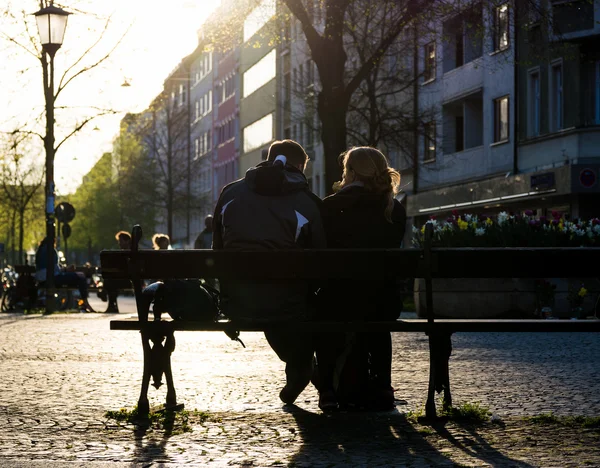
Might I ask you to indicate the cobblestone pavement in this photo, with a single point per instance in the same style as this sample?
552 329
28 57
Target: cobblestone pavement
61 373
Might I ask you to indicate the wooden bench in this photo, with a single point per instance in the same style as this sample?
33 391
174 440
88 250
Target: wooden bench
315 265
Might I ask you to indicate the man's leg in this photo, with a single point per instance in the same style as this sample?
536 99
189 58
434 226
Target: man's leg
111 293
74 280
297 351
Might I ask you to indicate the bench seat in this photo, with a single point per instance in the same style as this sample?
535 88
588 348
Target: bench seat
406 325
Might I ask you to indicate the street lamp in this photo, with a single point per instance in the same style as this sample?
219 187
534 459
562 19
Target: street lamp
52 23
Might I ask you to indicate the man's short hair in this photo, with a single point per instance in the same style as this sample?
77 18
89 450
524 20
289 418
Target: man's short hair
122 234
291 149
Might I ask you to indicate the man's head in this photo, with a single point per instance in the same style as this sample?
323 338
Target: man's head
293 151
124 240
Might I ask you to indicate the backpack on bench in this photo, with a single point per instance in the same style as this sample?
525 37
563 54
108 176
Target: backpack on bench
189 300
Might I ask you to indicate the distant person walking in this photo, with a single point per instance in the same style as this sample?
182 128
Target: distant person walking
112 286
205 238
61 278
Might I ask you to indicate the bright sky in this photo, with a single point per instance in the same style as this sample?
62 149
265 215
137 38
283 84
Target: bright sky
161 34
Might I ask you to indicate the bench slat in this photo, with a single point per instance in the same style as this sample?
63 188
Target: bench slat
374 264
409 325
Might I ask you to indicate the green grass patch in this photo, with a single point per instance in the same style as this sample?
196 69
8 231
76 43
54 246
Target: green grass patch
173 422
571 421
468 412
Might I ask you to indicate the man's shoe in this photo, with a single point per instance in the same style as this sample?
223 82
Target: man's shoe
328 401
382 399
112 309
289 394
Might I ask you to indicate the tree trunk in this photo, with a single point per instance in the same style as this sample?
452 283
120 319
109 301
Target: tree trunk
21 234
12 238
332 113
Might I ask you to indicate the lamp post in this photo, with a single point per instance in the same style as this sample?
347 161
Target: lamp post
52 23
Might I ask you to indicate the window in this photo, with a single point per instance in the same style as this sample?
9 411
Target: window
556 97
197 110
260 73
300 77
501 119
429 141
534 103
429 68
258 133
459 56
459 133
258 18
196 149
501 27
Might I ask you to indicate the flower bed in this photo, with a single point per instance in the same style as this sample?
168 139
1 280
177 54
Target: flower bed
510 230
485 298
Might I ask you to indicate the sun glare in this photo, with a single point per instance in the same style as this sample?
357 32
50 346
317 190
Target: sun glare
158 37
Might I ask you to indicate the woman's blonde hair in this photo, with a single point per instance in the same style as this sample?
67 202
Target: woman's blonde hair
369 166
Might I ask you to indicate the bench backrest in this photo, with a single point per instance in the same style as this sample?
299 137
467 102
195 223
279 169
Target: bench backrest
358 264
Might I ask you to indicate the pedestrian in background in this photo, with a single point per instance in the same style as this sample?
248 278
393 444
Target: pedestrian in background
61 277
112 286
160 242
205 238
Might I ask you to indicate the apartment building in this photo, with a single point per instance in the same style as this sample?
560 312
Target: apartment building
466 98
559 112
202 70
227 103
258 71
515 111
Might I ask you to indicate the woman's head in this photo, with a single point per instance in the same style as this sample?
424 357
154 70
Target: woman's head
160 241
370 167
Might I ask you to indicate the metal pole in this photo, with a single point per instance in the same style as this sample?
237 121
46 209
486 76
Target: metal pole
48 72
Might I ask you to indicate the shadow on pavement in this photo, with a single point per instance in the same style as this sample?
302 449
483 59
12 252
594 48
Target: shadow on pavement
153 450
477 446
360 438
383 438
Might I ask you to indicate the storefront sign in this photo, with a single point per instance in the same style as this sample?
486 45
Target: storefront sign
543 181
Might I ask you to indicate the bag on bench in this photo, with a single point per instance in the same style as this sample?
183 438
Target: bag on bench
184 300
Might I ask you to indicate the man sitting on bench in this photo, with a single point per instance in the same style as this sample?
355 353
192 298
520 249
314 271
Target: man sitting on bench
272 208
61 278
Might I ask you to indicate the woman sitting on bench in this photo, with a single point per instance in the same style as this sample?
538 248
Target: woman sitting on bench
61 278
362 214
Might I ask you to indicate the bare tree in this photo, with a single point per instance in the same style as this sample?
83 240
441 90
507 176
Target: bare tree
25 42
20 180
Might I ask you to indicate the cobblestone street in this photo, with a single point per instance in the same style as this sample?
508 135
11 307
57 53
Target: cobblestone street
61 373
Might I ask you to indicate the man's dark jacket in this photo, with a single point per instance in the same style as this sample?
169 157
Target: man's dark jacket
270 209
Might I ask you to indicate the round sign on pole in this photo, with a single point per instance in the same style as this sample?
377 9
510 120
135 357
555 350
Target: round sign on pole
66 231
65 212
587 177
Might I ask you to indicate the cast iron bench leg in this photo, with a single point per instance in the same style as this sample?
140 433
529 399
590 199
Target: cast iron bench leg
440 348
143 403
171 402
430 411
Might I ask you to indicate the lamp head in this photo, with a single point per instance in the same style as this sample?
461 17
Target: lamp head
52 23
